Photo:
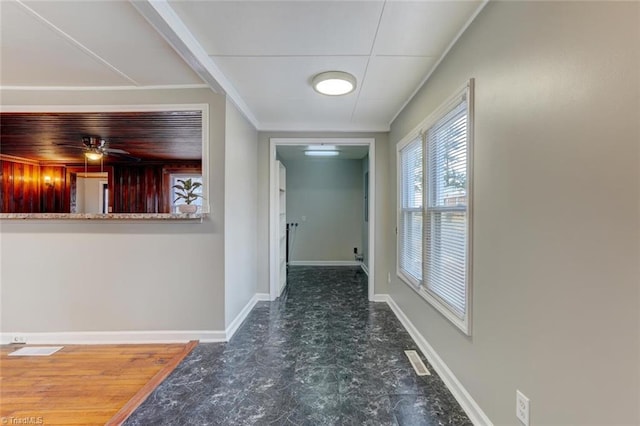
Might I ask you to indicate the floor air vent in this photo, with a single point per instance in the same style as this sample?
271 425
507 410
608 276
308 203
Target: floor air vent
416 362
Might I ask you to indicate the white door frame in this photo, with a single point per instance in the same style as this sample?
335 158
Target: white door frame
274 270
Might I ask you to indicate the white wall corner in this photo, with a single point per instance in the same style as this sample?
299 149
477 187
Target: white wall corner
468 404
111 337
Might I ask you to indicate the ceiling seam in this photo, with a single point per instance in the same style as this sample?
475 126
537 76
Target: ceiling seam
79 45
164 19
366 68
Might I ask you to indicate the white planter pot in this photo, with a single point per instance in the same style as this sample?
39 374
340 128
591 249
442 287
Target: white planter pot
187 208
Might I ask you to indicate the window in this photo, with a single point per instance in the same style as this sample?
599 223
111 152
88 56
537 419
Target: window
434 225
173 180
410 218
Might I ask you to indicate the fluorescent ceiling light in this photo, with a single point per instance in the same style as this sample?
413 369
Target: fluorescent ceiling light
334 83
321 153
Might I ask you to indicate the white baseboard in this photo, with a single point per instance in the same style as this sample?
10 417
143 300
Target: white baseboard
468 404
235 324
237 321
112 337
364 268
262 297
380 298
131 337
324 263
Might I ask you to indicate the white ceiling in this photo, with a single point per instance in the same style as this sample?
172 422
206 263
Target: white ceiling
84 44
263 54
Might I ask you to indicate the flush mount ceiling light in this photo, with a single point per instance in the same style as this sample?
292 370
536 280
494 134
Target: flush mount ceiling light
334 83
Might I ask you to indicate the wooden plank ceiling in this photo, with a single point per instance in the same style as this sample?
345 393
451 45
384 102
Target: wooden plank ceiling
150 136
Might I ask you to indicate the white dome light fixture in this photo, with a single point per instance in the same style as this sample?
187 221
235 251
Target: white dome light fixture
334 83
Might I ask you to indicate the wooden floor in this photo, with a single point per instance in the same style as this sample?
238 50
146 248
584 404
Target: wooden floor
83 384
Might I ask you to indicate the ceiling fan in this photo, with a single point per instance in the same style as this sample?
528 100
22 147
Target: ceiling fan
95 148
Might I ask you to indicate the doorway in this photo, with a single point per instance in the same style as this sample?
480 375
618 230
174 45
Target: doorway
275 276
91 192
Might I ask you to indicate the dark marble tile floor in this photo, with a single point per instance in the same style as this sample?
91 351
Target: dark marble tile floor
322 354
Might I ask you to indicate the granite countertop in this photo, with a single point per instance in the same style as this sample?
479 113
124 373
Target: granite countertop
109 216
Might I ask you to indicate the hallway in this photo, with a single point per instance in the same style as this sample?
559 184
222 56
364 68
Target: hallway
320 355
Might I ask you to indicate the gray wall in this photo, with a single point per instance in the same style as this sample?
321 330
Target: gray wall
241 201
381 208
108 276
325 196
555 308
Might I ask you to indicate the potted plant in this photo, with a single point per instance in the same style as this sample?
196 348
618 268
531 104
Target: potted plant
186 190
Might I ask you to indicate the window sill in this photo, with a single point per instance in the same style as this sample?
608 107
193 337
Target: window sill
100 217
463 324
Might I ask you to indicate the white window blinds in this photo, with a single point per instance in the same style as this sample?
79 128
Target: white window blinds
434 198
411 209
446 209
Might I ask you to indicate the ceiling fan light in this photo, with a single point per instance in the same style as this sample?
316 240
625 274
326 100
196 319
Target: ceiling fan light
93 156
334 83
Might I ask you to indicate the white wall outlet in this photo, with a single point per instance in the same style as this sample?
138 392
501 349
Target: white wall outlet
522 408
389 278
19 339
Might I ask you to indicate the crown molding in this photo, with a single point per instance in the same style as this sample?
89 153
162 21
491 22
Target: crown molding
104 88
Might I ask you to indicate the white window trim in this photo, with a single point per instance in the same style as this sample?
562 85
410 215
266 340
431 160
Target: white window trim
464 323
185 175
